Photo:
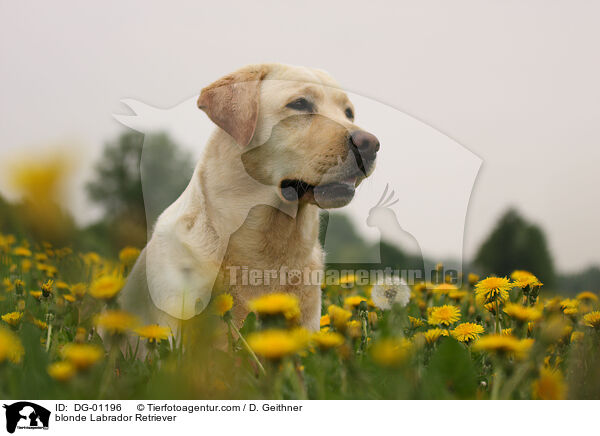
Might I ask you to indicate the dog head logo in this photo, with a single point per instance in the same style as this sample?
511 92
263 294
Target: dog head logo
26 415
284 140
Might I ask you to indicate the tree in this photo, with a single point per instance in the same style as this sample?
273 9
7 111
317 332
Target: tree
129 205
516 244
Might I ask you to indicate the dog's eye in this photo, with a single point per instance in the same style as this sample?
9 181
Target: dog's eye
349 114
301 104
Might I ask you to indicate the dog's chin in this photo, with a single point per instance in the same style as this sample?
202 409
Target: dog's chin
327 196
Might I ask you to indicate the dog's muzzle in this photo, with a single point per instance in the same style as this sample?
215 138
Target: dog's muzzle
364 146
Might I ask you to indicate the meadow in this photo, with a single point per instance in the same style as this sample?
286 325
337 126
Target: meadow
490 338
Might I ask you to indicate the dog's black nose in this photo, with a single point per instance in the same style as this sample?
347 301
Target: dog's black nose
366 143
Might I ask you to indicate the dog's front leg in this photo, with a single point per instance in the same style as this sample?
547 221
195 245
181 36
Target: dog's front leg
310 308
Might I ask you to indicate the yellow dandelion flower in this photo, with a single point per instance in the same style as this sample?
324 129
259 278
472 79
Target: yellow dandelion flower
12 318
80 334
223 303
10 346
40 324
354 329
116 321
62 285
154 332
61 371
106 287
416 322
326 340
472 278
348 280
129 255
22 252
69 297
507 332
339 317
458 294
587 296
49 270
391 352
274 344
592 319
47 288
444 289
26 265
82 356
372 317
40 257
7 284
324 321
501 344
522 279
353 301
444 315
493 289
467 331
79 289
432 335
277 303
522 313
36 294
569 303
577 337
549 386
91 258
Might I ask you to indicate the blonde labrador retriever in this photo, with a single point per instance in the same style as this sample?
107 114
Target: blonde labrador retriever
286 145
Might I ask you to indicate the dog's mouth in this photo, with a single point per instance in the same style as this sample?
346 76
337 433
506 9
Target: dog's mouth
326 196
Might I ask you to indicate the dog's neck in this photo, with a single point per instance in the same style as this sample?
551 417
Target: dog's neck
258 223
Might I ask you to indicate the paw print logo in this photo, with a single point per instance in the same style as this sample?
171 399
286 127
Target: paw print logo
294 277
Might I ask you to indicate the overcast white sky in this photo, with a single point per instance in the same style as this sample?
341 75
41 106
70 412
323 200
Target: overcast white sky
516 82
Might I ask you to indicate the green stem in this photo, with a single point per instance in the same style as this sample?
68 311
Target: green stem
246 346
497 381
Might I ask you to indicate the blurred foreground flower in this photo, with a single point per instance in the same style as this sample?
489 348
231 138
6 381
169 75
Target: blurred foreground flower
12 318
338 316
592 319
549 386
153 332
504 344
353 301
129 255
326 340
82 356
275 304
274 344
41 182
61 371
107 287
522 313
10 346
587 296
116 321
223 303
391 352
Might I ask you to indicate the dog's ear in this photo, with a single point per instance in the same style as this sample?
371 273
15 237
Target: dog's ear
232 102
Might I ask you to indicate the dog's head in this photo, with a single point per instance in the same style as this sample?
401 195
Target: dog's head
296 131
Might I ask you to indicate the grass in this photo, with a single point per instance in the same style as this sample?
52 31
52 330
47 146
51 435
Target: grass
521 345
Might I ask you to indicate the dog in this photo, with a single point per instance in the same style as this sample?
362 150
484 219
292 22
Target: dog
285 146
